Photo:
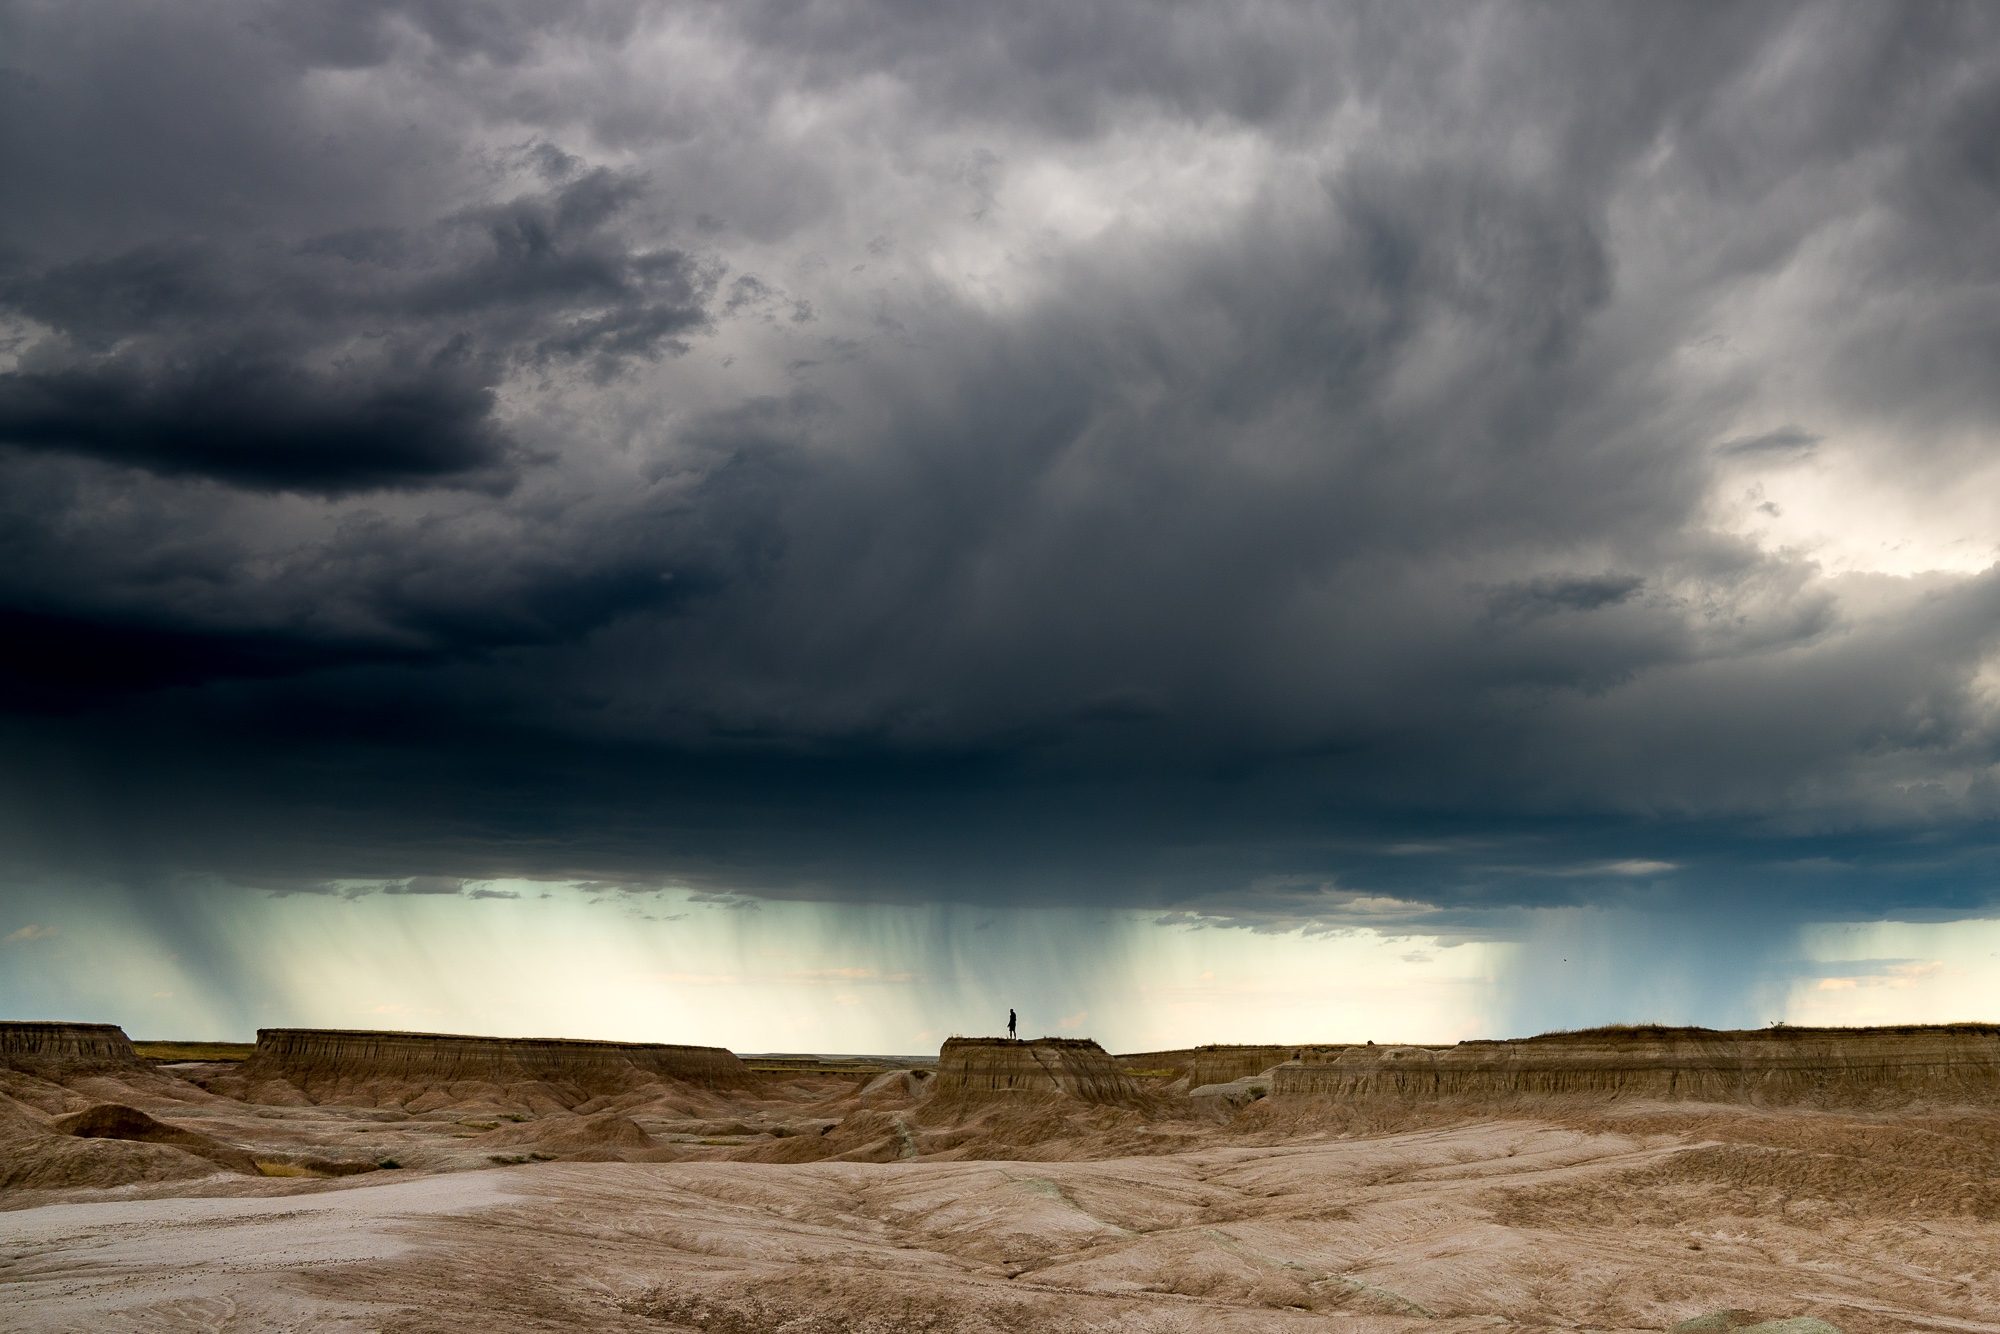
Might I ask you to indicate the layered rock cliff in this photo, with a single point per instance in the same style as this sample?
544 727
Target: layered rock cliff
419 1069
1219 1063
1067 1067
38 1045
1832 1066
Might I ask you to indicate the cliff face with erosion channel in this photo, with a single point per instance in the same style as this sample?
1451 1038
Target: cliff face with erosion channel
314 1059
1066 1067
1959 1062
34 1044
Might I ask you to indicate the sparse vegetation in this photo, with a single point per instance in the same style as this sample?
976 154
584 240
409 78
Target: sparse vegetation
164 1052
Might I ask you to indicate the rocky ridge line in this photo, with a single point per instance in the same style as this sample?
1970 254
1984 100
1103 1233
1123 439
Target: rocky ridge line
1947 1063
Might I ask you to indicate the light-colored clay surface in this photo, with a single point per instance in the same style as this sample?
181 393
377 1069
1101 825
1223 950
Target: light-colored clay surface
834 1204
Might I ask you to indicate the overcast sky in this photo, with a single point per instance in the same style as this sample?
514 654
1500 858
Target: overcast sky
1401 520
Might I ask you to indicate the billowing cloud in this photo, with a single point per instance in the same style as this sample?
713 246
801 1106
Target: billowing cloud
1276 468
343 362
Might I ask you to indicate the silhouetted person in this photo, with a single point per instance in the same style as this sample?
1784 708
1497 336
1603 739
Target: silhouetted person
1011 1035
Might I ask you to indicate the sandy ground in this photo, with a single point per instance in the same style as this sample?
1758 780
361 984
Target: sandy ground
1599 1221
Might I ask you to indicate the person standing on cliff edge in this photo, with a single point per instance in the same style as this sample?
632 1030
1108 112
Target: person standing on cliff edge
1011 1036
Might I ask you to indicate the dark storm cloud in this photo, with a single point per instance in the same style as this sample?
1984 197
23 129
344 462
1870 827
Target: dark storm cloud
259 422
346 362
1566 593
1070 452
52 658
1786 441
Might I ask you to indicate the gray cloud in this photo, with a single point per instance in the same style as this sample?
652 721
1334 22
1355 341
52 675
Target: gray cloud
259 422
427 884
346 362
1785 442
956 452
1566 593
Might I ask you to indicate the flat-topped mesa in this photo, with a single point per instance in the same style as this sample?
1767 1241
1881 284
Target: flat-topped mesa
1817 1065
315 1059
1067 1067
45 1044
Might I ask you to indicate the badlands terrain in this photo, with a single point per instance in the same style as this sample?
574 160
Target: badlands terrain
1620 1179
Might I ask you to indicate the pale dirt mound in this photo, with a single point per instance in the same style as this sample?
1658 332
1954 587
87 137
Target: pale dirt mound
1023 1127
1019 1211
58 1069
606 1137
1747 1322
66 1121
1822 1067
110 1120
45 1097
1380 1235
35 1156
896 1088
866 1136
1047 1129
1746 1161
978 1068
1226 1099
433 1072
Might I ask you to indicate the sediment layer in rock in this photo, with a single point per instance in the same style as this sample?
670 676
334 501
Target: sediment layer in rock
1218 1063
40 1044
325 1063
1070 1067
1833 1066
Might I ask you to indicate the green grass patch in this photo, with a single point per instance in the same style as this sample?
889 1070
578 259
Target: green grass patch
194 1051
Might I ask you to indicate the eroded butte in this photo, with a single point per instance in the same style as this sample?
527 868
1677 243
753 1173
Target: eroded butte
1625 1179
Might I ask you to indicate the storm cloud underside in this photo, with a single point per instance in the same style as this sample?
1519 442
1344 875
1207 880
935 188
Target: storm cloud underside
1506 476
